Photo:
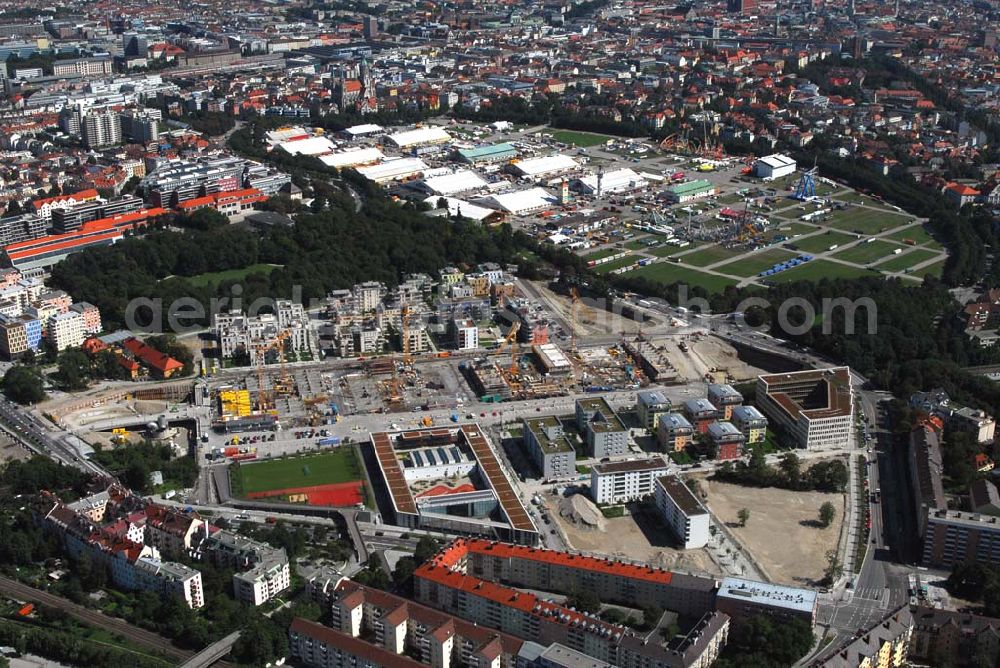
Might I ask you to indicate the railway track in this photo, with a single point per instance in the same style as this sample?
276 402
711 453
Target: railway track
93 618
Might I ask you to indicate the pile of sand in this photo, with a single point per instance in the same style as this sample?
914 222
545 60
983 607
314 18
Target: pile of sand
580 511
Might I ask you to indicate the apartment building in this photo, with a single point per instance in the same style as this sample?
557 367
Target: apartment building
751 423
100 129
18 335
141 126
22 227
234 204
394 630
926 467
621 482
604 433
175 181
466 334
82 66
961 418
682 512
816 406
462 579
955 537
262 570
67 330
71 218
650 405
256 334
884 645
173 532
674 432
742 599
43 208
700 412
91 316
727 440
950 638
132 565
548 447
725 398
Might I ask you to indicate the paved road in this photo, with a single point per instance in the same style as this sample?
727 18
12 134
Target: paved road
93 618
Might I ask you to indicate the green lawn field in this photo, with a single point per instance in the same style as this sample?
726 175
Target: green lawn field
865 221
669 272
865 253
616 264
583 139
792 229
917 233
819 269
756 263
601 254
668 250
337 465
906 260
231 275
708 255
820 242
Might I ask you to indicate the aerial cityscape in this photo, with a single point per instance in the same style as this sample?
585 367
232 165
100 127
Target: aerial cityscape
579 334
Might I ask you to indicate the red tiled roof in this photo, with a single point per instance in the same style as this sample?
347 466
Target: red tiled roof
151 356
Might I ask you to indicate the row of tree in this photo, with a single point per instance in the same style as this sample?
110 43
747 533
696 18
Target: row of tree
825 476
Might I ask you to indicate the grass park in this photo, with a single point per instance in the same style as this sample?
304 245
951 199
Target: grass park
213 277
709 255
821 242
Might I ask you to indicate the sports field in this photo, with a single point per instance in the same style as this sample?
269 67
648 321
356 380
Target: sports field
339 465
754 264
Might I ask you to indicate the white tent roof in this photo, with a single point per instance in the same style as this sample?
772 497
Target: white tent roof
521 201
308 146
546 165
393 169
361 156
467 209
419 136
460 181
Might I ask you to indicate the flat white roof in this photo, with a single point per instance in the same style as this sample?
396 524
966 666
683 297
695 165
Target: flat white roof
777 160
461 207
284 134
762 593
393 169
361 156
548 164
521 201
457 182
552 356
364 129
619 179
308 146
419 136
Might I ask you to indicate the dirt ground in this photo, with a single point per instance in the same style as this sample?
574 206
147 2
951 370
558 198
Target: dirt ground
10 451
590 321
782 534
641 537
